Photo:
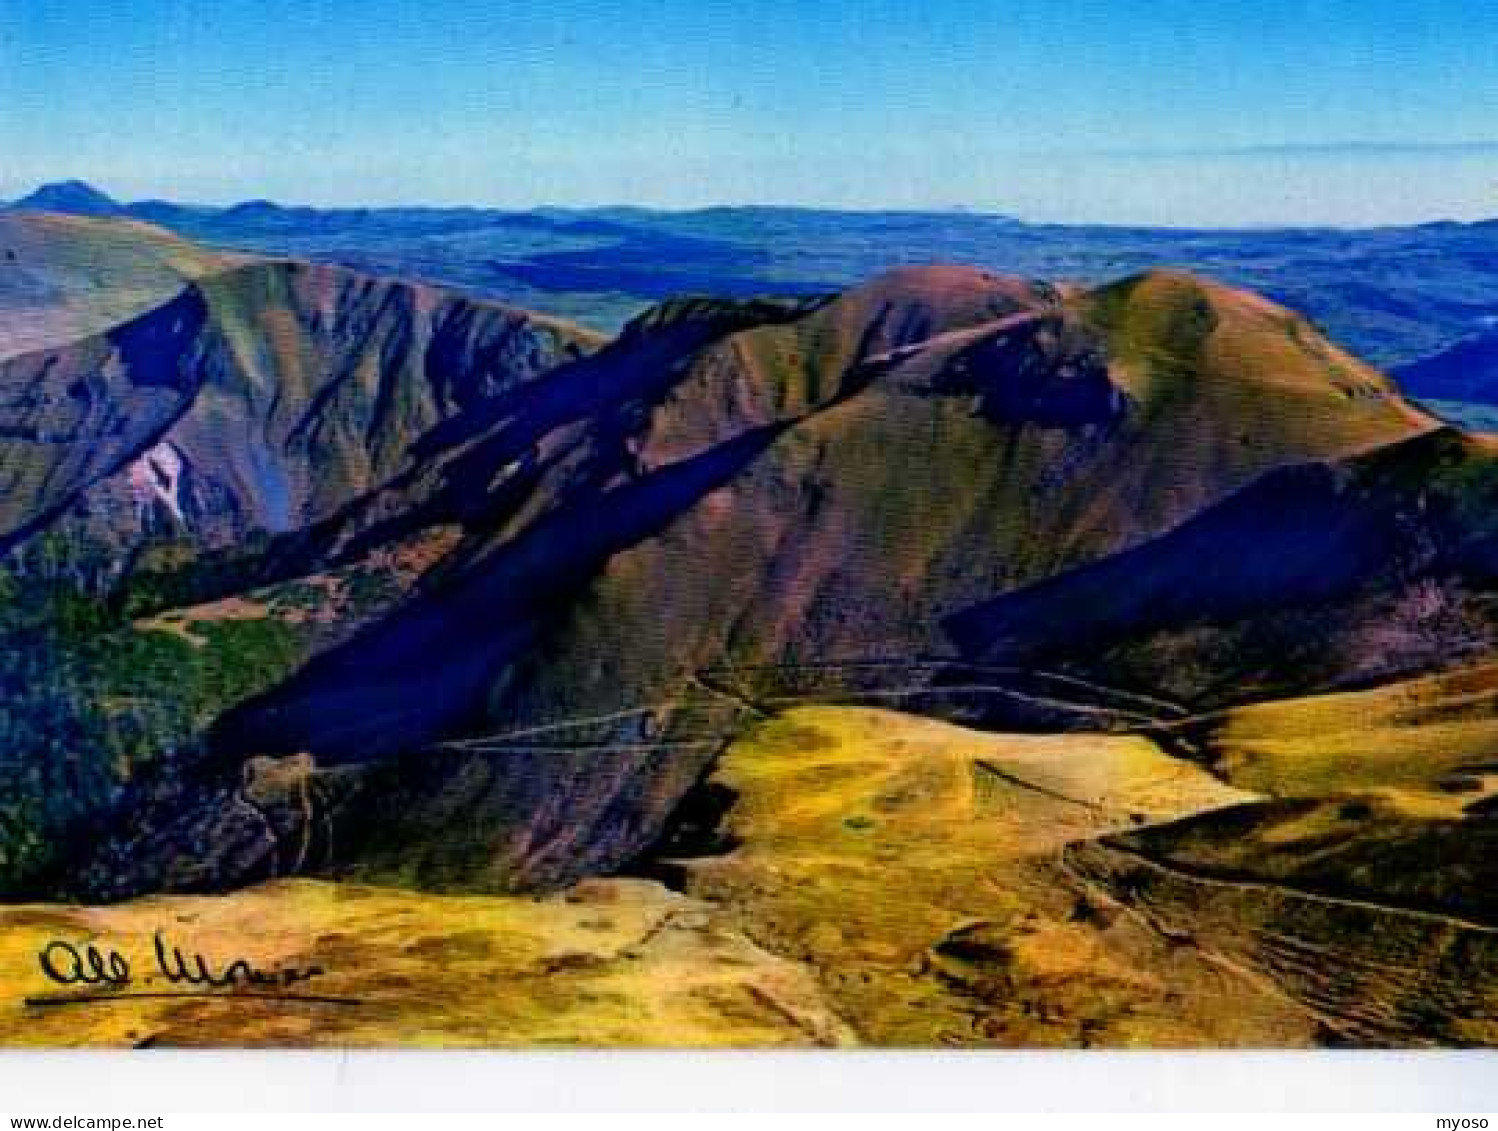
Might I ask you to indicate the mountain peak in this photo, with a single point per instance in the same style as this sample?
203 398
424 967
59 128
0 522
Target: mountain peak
76 197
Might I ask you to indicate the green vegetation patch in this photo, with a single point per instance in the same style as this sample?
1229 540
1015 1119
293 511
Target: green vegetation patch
88 701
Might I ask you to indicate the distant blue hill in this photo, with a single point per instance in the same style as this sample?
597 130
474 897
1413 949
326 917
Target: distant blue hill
1468 371
74 197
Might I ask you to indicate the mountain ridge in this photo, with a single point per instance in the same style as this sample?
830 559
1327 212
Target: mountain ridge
784 442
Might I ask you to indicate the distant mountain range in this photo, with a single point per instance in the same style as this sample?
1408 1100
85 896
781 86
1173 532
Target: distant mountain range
1394 295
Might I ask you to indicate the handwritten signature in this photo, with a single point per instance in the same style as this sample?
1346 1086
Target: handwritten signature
104 974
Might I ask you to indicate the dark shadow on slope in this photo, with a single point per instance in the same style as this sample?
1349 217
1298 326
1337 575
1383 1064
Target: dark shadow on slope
151 352
425 673
1277 581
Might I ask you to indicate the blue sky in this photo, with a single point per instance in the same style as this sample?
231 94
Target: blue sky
1174 111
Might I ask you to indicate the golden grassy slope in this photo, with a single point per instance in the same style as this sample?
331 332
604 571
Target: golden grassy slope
1415 735
612 962
897 881
1362 884
899 884
914 865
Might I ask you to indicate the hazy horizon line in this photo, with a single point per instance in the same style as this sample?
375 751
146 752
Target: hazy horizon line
1311 152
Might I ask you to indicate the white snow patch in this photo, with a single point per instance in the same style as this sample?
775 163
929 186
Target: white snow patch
157 477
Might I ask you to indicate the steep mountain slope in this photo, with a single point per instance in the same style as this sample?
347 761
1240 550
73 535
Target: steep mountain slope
935 436
261 398
315 385
72 415
732 503
1314 576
